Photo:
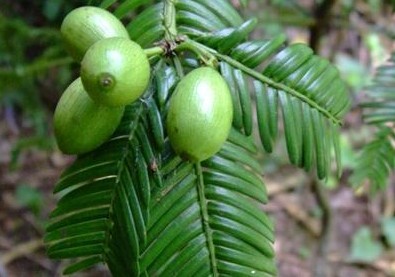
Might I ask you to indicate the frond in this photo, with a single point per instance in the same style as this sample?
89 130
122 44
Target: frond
376 160
212 15
296 87
380 108
207 220
138 207
102 195
306 89
148 27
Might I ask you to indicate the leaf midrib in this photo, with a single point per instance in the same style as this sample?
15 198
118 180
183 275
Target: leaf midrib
205 219
121 162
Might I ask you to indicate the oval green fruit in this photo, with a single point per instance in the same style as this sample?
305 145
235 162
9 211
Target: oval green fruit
200 114
84 26
80 124
115 71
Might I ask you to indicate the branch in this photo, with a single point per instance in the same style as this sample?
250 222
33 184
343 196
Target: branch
322 15
321 266
20 250
202 50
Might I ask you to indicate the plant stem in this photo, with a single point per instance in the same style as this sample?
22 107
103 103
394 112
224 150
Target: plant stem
205 56
321 267
200 48
206 226
322 16
154 51
169 14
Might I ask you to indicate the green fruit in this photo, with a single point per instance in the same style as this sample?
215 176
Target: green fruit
84 26
200 114
115 71
81 125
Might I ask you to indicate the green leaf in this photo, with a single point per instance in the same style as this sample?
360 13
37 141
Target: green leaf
294 79
83 264
201 218
380 108
147 27
29 197
252 53
222 9
228 38
310 111
127 7
376 161
307 89
102 195
388 227
205 201
51 8
364 248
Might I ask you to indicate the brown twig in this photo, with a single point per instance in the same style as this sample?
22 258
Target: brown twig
321 267
385 268
276 186
299 214
3 272
22 249
322 16
389 201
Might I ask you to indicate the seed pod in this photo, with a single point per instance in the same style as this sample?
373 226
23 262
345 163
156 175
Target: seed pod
84 26
115 71
81 125
200 114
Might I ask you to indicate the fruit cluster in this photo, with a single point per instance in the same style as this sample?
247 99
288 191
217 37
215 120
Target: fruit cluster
115 72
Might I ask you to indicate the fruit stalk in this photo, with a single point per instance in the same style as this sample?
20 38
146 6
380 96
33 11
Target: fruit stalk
154 51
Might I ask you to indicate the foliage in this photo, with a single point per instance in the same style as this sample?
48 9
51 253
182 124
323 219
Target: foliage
388 228
376 160
30 58
364 248
17 74
29 197
140 208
